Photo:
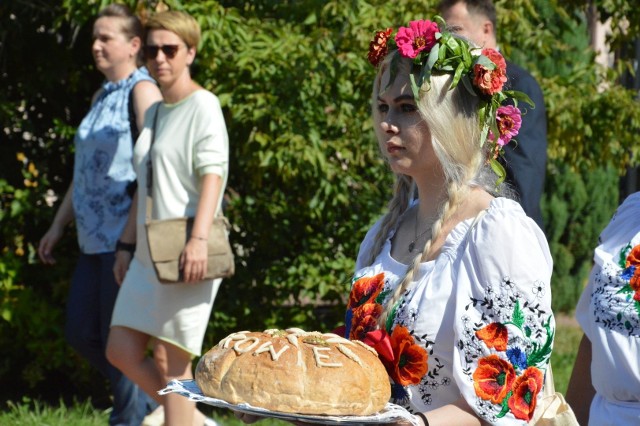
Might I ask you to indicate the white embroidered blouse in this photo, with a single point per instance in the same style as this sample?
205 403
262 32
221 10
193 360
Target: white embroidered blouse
476 322
609 313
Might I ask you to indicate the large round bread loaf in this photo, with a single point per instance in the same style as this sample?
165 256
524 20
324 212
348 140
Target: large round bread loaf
294 371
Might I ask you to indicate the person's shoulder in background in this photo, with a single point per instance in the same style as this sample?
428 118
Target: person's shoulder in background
522 80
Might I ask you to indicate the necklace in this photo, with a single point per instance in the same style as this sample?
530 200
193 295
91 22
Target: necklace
412 244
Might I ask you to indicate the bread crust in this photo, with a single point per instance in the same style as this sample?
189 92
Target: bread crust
294 371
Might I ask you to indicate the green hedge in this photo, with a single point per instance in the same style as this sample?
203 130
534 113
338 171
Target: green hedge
576 208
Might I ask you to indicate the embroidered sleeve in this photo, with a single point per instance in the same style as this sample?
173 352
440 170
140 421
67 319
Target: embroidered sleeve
611 299
505 327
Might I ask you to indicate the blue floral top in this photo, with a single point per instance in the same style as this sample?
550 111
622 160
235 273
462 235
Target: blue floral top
103 167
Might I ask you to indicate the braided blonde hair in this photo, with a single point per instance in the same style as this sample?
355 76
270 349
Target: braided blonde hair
452 119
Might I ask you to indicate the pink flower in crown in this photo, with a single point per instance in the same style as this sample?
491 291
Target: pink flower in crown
487 80
509 120
419 36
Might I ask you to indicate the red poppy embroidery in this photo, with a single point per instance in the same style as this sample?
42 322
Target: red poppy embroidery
493 378
494 335
411 359
634 283
365 319
633 258
365 290
525 390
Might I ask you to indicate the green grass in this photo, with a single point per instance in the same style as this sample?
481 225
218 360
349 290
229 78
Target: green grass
82 413
33 413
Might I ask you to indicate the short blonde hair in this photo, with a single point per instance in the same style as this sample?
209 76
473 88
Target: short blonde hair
180 23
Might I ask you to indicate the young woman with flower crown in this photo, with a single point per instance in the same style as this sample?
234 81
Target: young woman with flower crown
452 285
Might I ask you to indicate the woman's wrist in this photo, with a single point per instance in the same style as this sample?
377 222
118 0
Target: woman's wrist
195 237
122 246
422 417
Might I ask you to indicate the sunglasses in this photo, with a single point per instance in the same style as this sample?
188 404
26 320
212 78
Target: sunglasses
169 50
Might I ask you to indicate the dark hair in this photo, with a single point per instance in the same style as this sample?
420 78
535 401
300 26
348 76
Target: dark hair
131 25
484 8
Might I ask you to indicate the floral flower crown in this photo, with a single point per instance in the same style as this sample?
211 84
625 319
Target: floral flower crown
435 50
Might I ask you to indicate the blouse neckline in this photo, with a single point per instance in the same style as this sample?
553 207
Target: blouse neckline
184 100
453 240
109 86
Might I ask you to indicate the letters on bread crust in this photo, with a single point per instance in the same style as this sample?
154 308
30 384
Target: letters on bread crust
294 371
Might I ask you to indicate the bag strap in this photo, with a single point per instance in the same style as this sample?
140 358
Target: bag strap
135 132
476 219
133 124
549 386
150 172
150 167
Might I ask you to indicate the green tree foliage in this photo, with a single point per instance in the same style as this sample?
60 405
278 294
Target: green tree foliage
575 213
46 85
592 121
306 180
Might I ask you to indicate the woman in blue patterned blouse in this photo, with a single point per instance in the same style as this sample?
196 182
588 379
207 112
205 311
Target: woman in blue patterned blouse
100 196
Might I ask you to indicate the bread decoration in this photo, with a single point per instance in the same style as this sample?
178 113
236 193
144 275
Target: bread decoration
294 371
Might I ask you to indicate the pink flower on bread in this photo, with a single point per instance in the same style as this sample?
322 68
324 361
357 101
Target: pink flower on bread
419 36
490 81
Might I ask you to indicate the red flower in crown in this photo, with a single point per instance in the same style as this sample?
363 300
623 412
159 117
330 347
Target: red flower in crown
378 46
490 81
365 290
494 335
410 359
419 36
525 390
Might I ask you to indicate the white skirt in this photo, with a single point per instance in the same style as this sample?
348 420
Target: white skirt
176 313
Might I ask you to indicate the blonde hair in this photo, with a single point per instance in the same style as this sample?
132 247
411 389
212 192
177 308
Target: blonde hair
180 23
452 118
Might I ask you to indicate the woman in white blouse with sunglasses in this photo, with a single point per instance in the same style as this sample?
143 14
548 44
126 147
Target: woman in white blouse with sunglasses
189 160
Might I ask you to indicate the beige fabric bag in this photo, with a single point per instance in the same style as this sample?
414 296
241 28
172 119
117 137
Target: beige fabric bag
167 239
552 409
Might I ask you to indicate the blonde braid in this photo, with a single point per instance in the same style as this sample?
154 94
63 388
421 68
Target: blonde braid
455 195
